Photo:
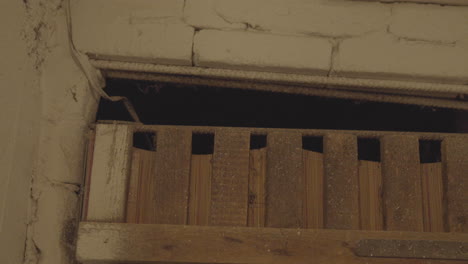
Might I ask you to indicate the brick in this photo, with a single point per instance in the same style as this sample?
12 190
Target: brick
384 56
343 18
203 14
263 52
430 22
133 30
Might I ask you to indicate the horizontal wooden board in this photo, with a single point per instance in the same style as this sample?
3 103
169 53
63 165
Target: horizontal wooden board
117 243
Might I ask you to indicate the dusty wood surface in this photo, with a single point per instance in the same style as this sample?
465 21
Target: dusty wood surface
109 173
257 176
433 193
284 184
341 182
200 190
401 183
455 159
170 187
370 189
230 178
133 243
313 183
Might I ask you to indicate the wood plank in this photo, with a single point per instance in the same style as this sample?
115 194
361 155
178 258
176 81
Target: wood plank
313 182
87 181
433 191
110 172
142 176
230 179
341 181
169 195
285 190
117 243
455 160
200 190
401 176
370 189
257 176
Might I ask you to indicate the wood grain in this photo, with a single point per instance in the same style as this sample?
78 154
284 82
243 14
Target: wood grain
285 190
257 176
117 243
370 189
200 190
313 182
230 179
455 160
401 176
433 193
109 173
341 181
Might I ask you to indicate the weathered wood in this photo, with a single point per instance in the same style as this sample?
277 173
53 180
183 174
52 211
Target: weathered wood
455 160
433 191
341 181
257 176
169 196
401 176
313 182
230 179
109 173
87 181
200 190
120 243
284 186
370 189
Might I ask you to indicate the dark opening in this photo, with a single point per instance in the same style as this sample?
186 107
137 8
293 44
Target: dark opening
258 141
171 104
313 144
368 149
144 140
429 151
202 143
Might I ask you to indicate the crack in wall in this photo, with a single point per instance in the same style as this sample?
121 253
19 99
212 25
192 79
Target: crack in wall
336 42
419 40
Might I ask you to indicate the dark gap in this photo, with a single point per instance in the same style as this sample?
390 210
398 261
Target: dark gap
429 151
258 141
312 143
202 143
369 149
144 140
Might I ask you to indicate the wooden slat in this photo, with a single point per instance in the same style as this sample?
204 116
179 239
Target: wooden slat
370 189
142 176
257 176
341 181
200 190
285 190
169 196
109 174
89 167
313 182
117 243
432 190
230 179
455 159
401 183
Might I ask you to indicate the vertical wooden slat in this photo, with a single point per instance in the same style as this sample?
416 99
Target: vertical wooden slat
370 189
230 178
109 174
200 190
284 180
171 183
341 181
432 190
257 175
313 182
455 159
401 183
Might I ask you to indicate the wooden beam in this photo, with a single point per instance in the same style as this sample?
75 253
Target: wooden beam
230 179
370 189
313 182
433 195
257 176
109 173
341 181
200 190
285 190
132 243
